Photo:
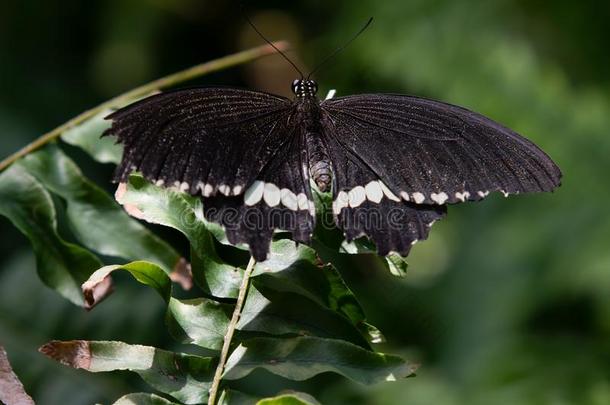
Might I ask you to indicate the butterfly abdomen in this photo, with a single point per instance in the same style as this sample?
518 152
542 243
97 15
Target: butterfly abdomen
317 154
318 161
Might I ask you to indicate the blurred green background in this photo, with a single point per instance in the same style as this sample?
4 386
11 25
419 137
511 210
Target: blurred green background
508 302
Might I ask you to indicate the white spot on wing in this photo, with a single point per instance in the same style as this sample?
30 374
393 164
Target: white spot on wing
237 190
289 199
373 192
462 196
208 190
254 193
388 193
184 186
404 195
483 194
224 189
418 197
159 183
302 201
439 198
504 193
272 194
357 195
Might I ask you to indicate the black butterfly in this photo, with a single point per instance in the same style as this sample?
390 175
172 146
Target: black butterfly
392 162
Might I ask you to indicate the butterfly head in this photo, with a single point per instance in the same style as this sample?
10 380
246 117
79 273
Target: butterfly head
304 88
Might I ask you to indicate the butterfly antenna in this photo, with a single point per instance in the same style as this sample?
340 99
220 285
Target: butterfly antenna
271 43
341 48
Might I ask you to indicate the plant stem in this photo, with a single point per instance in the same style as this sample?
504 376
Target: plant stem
159 84
241 298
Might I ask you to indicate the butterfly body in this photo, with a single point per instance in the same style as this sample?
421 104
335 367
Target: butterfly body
308 113
392 162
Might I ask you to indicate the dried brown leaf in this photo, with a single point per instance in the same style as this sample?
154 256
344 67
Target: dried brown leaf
11 389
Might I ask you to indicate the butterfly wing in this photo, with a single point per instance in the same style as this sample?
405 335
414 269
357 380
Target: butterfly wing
428 152
237 149
280 199
203 140
364 206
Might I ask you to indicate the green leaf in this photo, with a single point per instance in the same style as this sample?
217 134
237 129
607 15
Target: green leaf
296 269
199 321
61 265
289 398
214 276
142 398
169 207
95 218
304 357
397 264
146 273
185 377
281 313
87 137
233 397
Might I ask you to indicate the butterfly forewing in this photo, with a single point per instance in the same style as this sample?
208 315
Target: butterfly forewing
430 152
205 140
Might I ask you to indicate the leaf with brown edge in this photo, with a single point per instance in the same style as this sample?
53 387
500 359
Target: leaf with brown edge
185 377
183 212
72 353
98 292
200 321
11 389
144 272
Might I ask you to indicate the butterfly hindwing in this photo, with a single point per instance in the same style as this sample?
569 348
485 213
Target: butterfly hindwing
280 198
364 206
430 152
